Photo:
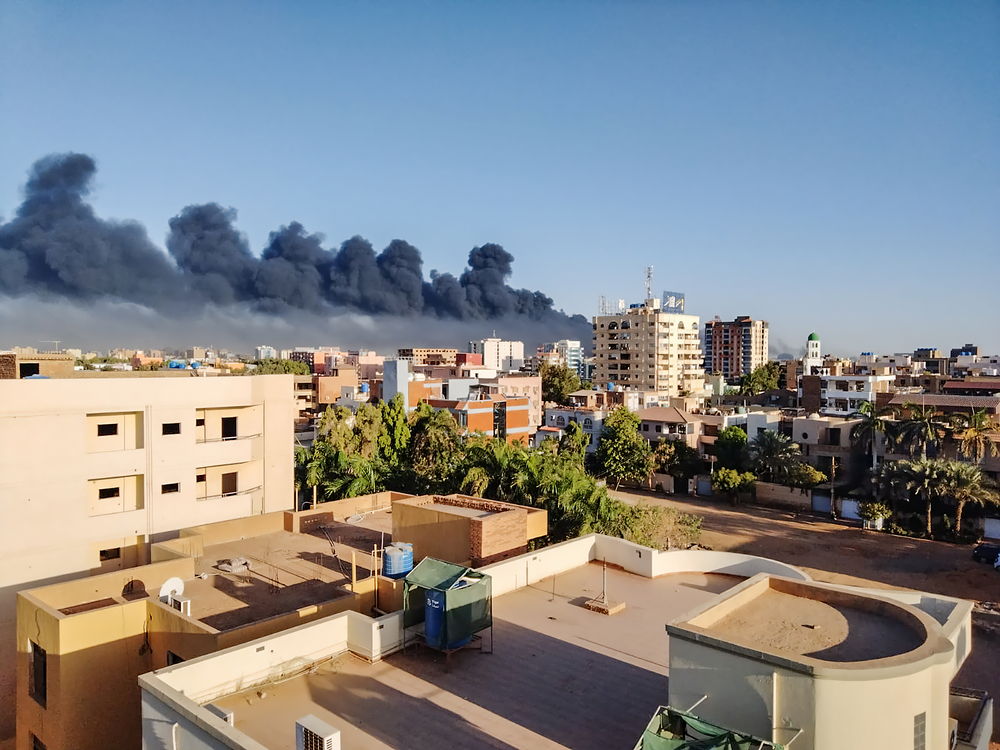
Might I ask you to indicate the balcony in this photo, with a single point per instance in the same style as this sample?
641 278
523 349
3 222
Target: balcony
218 451
239 493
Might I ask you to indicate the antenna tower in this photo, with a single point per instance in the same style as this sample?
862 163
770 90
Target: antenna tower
649 283
603 308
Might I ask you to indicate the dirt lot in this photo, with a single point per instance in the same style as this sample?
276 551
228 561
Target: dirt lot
840 553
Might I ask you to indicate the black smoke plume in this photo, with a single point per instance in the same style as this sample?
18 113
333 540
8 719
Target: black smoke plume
55 247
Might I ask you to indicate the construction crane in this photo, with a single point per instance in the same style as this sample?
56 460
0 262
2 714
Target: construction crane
53 341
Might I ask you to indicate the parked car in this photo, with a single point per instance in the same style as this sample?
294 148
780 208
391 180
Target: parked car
986 552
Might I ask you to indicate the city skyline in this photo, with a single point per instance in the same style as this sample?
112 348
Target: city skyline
814 168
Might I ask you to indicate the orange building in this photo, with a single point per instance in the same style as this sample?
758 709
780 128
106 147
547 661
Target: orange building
491 414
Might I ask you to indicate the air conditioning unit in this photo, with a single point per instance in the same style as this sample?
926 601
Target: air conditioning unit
182 604
223 713
314 734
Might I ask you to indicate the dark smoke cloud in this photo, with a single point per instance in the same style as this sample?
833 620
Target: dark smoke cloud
56 248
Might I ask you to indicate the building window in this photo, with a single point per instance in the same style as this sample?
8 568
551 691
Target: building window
37 673
200 477
230 483
106 493
171 428
113 553
199 422
659 428
37 744
920 731
229 428
166 489
104 430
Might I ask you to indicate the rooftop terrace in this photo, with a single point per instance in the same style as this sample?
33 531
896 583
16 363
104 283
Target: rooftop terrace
559 675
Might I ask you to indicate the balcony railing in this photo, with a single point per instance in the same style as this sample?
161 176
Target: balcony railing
227 439
238 493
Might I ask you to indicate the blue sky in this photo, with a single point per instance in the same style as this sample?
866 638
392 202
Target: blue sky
827 166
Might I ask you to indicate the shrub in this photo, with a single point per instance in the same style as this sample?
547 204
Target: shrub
874 511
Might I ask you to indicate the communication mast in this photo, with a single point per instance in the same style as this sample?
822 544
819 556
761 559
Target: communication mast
649 283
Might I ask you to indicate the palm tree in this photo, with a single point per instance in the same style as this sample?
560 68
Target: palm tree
925 479
922 428
435 449
773 455
964 484
975 436
492 469
313 465
868 429
353 476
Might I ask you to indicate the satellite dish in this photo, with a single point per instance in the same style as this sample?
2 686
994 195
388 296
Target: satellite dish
173 586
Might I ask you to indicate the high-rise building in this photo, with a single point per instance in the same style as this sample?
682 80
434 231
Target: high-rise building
566 352
499 354
734 348
266 352
648 349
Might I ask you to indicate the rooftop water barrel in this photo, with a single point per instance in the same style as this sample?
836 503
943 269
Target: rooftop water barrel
397 560
364 387
434 619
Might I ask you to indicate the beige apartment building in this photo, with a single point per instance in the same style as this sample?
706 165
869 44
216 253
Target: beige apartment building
94 470
648 349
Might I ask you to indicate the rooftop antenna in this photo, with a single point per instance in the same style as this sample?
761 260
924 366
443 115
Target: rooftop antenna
649 282
53 341
603 308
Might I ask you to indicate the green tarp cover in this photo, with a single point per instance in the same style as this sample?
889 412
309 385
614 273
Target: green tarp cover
671 729
468 609
437 574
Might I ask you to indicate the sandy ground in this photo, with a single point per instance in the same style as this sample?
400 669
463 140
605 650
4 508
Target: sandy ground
841 553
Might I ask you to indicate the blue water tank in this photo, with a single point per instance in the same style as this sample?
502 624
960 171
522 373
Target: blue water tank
434 619
611 386
364 387
176 364
397 560
195 365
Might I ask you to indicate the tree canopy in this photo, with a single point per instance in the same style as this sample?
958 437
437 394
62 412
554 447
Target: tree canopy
279 367
623 455
558 381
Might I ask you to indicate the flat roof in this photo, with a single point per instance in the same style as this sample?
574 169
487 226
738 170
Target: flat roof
808 622
559 675
459 510
287 571
785 623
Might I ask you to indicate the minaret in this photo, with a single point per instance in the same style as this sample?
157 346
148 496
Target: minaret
814 354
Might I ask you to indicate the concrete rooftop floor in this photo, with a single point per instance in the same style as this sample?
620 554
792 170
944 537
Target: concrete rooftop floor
559 675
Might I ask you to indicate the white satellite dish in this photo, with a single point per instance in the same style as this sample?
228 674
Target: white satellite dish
173 586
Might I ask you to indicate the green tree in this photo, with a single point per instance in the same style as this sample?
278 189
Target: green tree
763 378
804 476
352 475
731 449
925 480
435 453
773 455
976 435
731 483
677 458
493 469
394 436
367 429
279 367
920 429
574 442
336 428
623 455
558 381
964 484
870 425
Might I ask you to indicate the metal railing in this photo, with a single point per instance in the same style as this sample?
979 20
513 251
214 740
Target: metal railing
231 494
227 439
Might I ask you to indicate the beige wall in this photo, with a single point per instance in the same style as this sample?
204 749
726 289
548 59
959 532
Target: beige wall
432 533
53 463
